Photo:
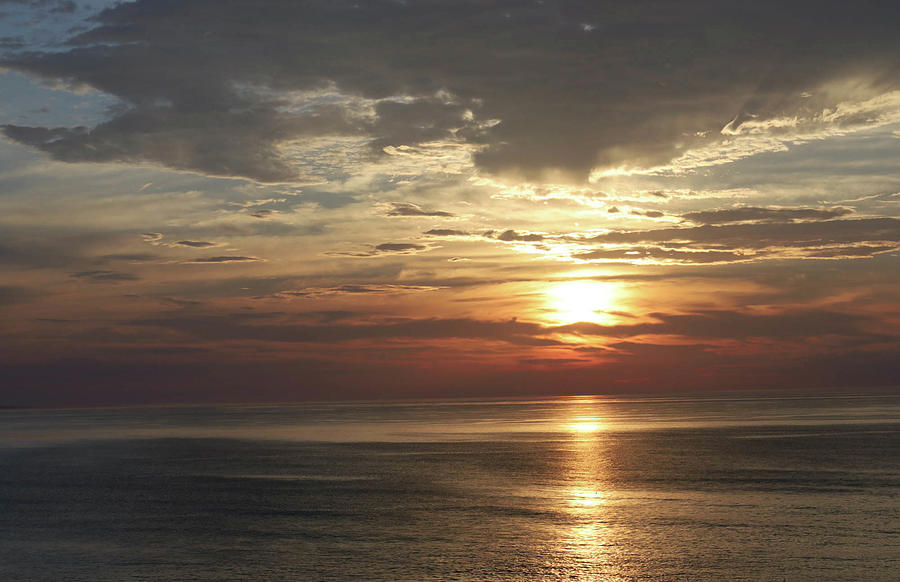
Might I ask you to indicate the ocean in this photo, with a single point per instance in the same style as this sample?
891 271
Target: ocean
577 488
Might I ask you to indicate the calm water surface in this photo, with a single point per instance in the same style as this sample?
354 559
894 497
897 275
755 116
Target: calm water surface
581 488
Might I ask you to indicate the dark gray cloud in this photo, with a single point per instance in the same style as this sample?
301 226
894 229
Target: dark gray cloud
329 200
755 214
14 294
511 236
552 361
384 249
102 276
703 327
399 247
410 209
445 232
659 254
64 6
723 324
573 83
708 244
358 289
215 327
32 254
759 236
197 244
853 251
131 257
223 259
648 213
11 42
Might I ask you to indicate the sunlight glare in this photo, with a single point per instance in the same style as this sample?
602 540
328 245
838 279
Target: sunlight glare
582 301
585 426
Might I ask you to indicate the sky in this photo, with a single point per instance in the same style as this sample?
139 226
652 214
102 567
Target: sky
280 200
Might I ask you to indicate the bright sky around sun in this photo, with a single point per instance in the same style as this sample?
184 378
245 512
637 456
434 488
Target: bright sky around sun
285 200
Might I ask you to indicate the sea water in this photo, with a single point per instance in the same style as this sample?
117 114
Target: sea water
577 488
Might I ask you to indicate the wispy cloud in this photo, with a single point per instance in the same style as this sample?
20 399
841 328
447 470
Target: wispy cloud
384 289
221 259
410 209
755 214
103 276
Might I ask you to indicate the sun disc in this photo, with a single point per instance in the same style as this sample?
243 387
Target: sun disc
581 301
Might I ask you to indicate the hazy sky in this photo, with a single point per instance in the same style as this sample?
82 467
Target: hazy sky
283 200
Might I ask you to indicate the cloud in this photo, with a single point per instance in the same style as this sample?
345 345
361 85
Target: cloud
661 255
31 255
541 93
722 324
219 327
445 232
765 235
513 236
384 249
399 247
222 259
648 213
409 209
102 276
52 6
131 257
755 214
384 289
713 243
14 295
197 244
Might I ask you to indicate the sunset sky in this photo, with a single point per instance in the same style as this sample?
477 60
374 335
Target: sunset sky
286 200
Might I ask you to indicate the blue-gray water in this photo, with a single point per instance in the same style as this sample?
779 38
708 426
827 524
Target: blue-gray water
585 488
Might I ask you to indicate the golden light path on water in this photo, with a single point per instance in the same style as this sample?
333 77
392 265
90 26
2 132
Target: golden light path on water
590 538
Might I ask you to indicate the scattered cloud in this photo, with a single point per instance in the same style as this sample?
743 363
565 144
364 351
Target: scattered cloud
663 255
743 242
410 209
445 232
217 327
103 276
222 259
384 249
385 289
399 247
197 244
513 236
755 214
648 213
13 295
130 257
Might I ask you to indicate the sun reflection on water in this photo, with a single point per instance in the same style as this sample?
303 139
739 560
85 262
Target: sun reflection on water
580 497
589 540
585 426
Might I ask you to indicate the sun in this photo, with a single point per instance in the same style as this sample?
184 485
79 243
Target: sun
582 301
